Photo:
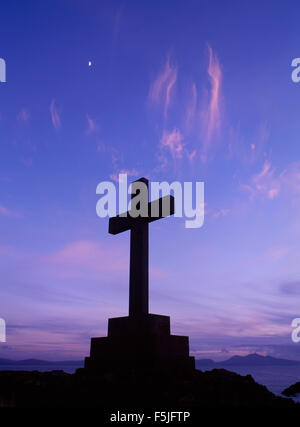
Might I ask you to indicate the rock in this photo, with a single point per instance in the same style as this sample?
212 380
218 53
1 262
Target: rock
292 391
139 388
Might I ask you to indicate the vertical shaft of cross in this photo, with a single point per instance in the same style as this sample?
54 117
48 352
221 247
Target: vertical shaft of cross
139 275
139 263
137 220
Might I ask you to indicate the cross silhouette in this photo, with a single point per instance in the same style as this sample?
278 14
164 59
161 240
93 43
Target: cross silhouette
139 244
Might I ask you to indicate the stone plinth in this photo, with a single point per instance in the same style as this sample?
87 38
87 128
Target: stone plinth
140 342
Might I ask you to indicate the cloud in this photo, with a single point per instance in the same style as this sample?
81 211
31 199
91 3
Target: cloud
248 149
92 125
191 155
116 161
214 72
24 115
210 114
220 213
172 141
85 258
265 183
7 212
128 172
117 22
269 184
172 145
169 88
241 324
7 250
290 177
26 161
55 117
201 116
290 288
160 92
90 259
191 109
276 253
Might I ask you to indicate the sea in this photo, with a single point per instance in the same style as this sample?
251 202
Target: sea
276 378
69 369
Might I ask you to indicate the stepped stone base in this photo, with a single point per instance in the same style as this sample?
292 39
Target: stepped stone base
143 342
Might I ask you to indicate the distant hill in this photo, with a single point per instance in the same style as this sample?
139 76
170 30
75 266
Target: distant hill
38 362
249 360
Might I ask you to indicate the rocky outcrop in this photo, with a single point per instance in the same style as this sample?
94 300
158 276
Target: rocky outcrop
292 391
135 388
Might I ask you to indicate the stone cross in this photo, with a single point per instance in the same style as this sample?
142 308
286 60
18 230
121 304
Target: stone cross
139 244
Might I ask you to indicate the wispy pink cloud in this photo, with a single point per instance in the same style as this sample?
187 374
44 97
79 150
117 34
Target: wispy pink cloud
117 21
191 109
252 148
92 260
290 177
117 161
269 184
24 115
92 125
200 117
173 142
210 114
191 155
7 250
214 72
276 253
172 147
161 89
265 183
221 213
86 258
26 161
7 212
55 117
169 88
128 172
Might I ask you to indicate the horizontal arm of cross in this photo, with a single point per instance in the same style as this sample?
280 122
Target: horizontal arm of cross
157 209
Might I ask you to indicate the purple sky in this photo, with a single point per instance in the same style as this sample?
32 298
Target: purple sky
188 91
